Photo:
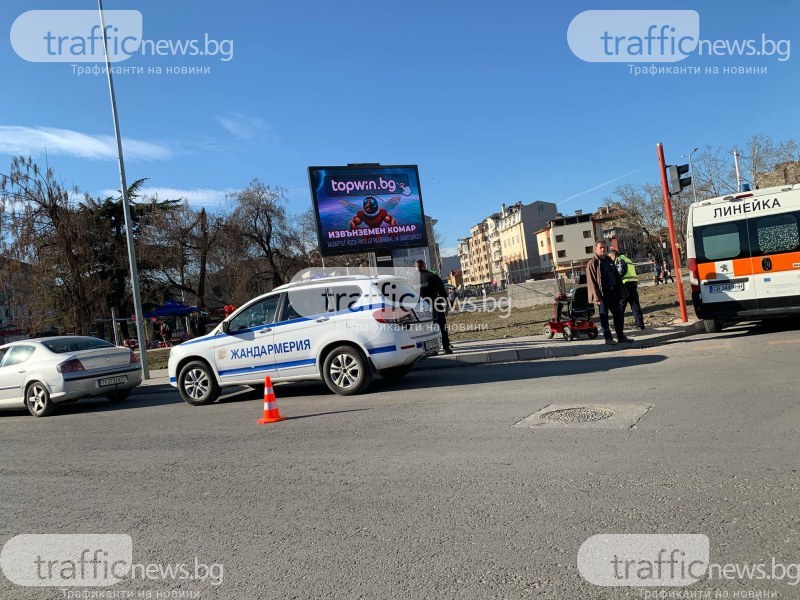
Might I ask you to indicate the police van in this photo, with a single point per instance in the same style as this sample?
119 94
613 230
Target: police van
341 330
743 256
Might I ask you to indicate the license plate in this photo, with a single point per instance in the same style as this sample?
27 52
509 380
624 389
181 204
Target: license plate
726 287
432 345
112 380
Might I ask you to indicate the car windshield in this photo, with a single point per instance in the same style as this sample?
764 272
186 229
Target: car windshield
67 344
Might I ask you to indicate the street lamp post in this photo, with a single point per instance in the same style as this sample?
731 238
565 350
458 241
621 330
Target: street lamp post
126 210
691 168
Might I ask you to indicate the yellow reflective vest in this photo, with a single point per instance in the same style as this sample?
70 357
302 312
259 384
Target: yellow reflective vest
630 272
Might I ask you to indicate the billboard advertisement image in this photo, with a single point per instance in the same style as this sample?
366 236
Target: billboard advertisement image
367 208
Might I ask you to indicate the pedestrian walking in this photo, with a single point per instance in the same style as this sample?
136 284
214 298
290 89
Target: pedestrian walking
668 271
432 287
165 334
655 265
627 270
607 291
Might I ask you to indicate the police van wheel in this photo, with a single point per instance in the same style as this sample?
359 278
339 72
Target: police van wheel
394 373
197 385
712 325
346 371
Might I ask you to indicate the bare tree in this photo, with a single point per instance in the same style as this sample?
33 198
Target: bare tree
48 234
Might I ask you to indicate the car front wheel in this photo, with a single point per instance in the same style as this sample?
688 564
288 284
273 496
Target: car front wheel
37 399
197 385
346 371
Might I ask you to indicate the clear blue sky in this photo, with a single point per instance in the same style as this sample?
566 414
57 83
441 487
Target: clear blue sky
487 98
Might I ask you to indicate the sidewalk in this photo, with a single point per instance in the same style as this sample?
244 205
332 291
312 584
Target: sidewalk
536 347
532 347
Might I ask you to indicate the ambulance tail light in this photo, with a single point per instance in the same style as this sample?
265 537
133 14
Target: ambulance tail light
694 275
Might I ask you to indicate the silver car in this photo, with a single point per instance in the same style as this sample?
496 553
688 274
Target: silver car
40 373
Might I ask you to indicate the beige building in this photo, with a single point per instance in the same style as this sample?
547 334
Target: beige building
518 225
567 243
465 258
481 272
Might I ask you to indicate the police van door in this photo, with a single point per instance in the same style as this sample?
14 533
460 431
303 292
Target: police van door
775 248
303 328
724 264
245 354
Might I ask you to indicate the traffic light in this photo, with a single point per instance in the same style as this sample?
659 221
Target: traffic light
675 178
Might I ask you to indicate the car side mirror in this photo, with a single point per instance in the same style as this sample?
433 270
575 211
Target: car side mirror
226 327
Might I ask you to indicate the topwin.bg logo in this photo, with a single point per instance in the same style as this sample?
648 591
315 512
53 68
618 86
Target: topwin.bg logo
654 36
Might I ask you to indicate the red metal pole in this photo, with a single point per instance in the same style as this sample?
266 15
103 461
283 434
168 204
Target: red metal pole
676 258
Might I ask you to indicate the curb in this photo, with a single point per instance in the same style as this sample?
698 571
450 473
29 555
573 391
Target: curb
489 357
525 354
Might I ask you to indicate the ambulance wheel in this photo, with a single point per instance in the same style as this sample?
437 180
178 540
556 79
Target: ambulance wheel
197 385
346 371
568 333
592 333
548 333
712 325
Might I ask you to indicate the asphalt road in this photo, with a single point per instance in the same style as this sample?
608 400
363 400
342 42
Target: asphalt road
423 488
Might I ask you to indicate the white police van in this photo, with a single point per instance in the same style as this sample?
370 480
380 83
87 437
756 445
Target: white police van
338 329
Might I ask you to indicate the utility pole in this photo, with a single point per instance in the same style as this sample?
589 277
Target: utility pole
126 209
738 173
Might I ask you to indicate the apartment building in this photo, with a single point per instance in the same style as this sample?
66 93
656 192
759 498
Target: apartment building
479 252
566 243
465 258
518 225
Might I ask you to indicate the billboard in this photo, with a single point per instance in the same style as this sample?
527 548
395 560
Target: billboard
367 208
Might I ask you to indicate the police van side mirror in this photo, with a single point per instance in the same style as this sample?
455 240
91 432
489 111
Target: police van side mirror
226 327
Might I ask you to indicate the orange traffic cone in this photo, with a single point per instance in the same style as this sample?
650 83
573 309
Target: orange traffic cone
271 412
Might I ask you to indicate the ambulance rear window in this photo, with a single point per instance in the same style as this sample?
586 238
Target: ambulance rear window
721 242
776 234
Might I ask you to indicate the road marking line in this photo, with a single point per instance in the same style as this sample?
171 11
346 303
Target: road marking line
776 342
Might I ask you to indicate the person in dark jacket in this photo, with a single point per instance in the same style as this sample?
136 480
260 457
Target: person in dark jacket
607 291
432 287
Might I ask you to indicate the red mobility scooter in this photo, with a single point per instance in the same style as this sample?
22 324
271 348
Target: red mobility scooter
573 315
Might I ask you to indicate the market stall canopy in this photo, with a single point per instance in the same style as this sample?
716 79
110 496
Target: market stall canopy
172 308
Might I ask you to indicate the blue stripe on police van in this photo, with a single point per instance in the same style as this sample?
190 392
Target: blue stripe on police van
381 349
173 379
268 367
289 322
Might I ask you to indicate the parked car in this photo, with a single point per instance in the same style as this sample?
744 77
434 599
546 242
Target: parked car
40 373
340 330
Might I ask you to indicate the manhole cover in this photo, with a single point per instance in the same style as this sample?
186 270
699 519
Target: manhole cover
576 415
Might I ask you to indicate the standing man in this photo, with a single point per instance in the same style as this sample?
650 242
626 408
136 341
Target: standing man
607 291
432 287
630 280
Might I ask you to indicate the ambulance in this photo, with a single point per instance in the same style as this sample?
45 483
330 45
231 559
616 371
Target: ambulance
743 256
341 330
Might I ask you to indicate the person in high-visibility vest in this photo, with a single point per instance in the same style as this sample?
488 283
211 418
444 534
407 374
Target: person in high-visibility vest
630 280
